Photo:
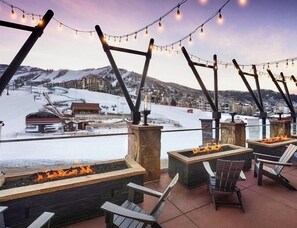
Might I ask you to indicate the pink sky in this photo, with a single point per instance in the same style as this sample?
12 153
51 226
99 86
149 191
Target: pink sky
263 31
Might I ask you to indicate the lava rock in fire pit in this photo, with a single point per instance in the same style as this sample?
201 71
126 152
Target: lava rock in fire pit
42 177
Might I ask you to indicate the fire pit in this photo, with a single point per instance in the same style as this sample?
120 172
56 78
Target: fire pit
189 165
72 199
272 146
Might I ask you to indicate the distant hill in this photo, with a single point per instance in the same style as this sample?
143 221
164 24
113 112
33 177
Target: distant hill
27 75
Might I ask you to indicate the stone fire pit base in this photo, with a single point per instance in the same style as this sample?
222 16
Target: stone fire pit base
72 199
275 149
191 170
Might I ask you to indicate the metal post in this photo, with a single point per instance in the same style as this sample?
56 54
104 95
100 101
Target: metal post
216 115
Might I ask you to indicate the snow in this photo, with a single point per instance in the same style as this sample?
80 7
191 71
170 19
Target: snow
18 104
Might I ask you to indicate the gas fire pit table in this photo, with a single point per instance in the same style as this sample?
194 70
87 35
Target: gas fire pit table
72 199
272 148
190 167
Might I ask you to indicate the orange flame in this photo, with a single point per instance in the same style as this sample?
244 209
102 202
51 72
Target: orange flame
207 149
275 139
54 174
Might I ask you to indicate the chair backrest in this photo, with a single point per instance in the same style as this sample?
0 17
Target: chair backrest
165 195
289 152
227 174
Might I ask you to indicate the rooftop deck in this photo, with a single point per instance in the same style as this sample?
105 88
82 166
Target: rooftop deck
270 205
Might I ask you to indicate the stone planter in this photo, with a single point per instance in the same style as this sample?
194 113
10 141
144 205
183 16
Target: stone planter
72 199
191 169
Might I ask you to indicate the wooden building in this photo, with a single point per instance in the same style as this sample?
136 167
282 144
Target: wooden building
85 108
42 121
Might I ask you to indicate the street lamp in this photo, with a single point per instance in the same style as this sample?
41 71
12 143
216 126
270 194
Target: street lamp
147 99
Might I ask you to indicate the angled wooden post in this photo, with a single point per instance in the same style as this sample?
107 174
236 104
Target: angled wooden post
258 98
286 97
214 104
23 52
134 108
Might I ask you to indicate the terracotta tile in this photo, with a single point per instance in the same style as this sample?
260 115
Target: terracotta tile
169 212
260 212
270 205
181 221
277 192
187 199
92 223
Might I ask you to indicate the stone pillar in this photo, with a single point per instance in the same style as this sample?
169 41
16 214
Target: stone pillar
280 128
206 125
233 133
144 146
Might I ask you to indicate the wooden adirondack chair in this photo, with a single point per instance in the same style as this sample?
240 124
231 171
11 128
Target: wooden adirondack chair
274 172
41 221
224 180
131 215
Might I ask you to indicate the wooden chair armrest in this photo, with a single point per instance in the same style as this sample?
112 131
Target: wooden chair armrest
145 190
2 209
43 219
273 162
118 210
242 176
266 155
208 169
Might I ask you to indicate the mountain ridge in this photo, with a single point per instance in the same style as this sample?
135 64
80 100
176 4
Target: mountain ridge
27 75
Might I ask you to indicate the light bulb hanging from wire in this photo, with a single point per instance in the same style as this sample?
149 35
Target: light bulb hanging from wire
190 39
12 11
220 18
178 14
160 24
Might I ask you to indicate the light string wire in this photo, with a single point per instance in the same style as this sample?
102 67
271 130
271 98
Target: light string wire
266 65
261 66
145 28
218 12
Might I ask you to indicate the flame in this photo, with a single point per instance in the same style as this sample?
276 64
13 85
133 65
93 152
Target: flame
207 149
275 139
54 174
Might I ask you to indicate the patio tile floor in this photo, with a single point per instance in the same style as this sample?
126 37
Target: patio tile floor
270 205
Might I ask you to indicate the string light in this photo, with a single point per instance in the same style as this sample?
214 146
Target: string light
178 14
201 30
220 18
242 2
190 39
218 12
145 28
177 7
160 24
146 31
